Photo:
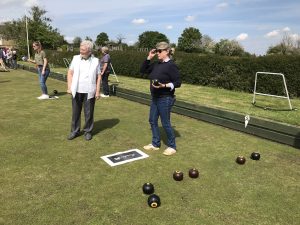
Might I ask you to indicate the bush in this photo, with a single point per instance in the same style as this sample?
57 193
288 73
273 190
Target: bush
233 73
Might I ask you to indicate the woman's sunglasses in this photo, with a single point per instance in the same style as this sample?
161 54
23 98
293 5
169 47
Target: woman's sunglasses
160 50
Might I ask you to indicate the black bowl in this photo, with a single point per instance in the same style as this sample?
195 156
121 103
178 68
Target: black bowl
148 188
255 156
155 82
154 201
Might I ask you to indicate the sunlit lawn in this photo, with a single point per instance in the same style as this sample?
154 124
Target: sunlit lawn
46 179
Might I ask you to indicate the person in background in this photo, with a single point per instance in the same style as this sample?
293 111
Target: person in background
2 64
105 71
164 78
41 62
14 59
9 58
84 80
4 56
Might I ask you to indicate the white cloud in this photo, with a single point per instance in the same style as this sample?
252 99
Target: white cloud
138 21
13 9
190 18
222 5
69 39
4 19
242 37
169 27
29 3
272 34
286 29
26 3
295 37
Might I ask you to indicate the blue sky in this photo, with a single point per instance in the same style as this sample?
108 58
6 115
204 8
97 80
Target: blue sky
255 24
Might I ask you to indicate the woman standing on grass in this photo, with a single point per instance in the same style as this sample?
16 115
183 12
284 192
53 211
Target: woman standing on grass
42 66
164 78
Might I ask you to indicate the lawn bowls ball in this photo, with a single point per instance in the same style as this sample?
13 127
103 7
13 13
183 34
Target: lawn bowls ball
193 173
55 92
255 156
148 188
178 175
155 82
240 160
154 201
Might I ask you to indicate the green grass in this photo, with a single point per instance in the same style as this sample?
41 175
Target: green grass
223 99
46 179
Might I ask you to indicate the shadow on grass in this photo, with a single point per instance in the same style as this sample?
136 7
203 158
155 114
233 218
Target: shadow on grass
273 108
164 136
101 125
5 81
60 93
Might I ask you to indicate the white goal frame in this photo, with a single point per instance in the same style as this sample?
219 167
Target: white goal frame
276 96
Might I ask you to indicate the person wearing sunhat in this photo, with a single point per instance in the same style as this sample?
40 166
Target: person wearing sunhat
164 79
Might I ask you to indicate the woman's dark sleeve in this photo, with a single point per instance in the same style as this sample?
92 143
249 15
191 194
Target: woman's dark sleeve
175 76
146 67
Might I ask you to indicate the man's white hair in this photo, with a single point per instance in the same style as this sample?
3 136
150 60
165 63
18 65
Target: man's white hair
88 44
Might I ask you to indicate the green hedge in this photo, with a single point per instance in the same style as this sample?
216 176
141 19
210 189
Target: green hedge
56 57
233 73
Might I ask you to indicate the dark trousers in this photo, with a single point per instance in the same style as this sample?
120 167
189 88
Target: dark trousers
105 83
88 108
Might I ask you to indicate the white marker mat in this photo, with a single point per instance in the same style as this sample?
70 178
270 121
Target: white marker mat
124 157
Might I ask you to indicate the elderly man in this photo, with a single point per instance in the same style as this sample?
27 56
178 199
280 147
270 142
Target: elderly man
84 79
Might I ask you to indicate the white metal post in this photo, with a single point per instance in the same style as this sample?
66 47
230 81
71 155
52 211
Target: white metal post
114 74
26 24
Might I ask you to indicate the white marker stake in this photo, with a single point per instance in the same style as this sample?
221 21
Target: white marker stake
247 119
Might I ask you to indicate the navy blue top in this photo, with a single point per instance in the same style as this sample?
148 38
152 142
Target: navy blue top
165 72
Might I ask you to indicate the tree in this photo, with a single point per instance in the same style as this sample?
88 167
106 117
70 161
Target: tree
101 39
229 48
190 40
277 49
87 38
39 29
207 44
76 42
287 46
120 39
149 39
15 30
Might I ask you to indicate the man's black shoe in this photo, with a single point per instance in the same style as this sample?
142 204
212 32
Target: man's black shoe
88 136
72 136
